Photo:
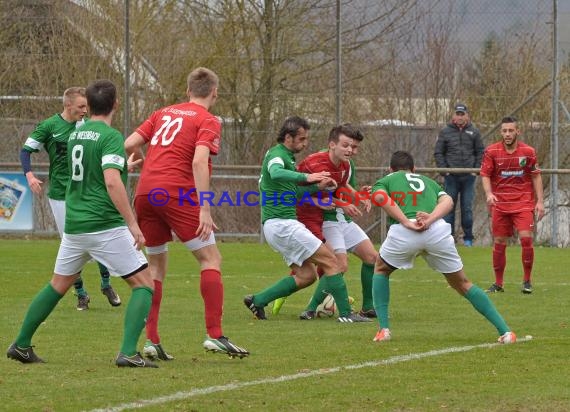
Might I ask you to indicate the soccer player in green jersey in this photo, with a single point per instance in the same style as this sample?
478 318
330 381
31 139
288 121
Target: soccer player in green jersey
279 190
422 206
52 135
99 224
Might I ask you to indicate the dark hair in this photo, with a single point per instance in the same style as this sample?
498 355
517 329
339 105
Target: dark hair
346 129
101 97
509 119
291 127
401 161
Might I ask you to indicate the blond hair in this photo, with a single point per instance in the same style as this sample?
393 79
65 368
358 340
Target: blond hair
201 82
70 94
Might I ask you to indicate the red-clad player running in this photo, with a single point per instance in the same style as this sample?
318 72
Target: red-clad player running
180 140
513 188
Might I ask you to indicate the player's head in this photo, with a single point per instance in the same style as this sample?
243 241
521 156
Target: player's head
101 97
74 104
202 83
509 131
341 140
356 140
294 133
401 161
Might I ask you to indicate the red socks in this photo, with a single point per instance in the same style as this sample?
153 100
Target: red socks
212 291
152 319
499 262
527 257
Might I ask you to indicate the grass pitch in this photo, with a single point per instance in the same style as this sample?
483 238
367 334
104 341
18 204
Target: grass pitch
436 360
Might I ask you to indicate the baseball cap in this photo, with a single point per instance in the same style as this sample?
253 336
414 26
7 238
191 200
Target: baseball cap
460 107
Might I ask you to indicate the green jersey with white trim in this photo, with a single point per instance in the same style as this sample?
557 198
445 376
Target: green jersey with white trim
411 191
52 135
91 149
278 196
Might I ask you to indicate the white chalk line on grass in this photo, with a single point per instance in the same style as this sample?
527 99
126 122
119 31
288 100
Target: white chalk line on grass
301 375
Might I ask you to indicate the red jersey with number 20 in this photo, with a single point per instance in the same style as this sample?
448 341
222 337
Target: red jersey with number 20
172 134
510 175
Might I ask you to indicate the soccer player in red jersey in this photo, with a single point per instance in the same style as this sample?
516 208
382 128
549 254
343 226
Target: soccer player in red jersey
513 188
176 173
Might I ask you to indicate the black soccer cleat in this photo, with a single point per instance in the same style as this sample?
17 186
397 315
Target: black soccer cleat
526 288
494 288
135 361
112 296
26 355
258 311
308 315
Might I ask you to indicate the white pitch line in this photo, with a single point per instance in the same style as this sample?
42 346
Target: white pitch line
302 375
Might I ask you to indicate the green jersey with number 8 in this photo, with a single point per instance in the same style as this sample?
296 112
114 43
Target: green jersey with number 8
91 149
411 191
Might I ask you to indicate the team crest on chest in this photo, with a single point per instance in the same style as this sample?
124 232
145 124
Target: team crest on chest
522 161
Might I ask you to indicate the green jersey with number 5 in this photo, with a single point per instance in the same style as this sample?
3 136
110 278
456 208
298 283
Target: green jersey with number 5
411 191
91 149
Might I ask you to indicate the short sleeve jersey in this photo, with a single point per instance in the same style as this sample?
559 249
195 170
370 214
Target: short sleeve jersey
52 134
510 175
172 134
92 149
278 198
337 214
314 163
411 191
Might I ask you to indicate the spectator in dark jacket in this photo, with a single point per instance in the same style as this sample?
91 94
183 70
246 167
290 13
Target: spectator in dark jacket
459 145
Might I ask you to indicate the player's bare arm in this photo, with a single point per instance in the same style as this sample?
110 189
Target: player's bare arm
134 148
443 207
489 196
317 177
202 180
394 211
539 194
118 194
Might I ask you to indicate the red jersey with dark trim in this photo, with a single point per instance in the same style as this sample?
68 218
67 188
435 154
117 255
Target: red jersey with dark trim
510 175
172 134
314 163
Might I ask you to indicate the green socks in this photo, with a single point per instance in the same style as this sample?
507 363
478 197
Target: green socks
366 276
78 285
336 286
484 306
381 291
135 319
318 296
105 276
40 308
282 288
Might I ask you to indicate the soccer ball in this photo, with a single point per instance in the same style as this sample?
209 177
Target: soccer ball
327 308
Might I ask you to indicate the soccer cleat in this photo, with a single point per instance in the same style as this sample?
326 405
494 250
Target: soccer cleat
135 361
155 351
308 315
83 302
112 296
370 313
353 318
494 288
468 243
277 305
382 335
258 311
26 355
526 287
507 338
223 345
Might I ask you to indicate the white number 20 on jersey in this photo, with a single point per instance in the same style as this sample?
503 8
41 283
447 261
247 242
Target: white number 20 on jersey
167 131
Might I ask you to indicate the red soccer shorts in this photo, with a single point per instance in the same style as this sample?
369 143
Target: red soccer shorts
503 223
158 222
